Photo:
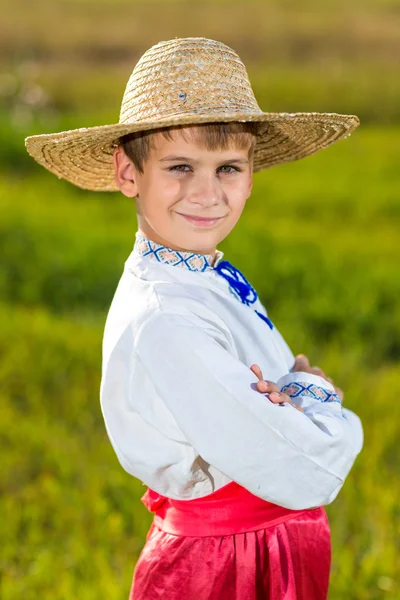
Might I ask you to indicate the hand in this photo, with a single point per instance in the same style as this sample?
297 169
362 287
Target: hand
274 394
302 364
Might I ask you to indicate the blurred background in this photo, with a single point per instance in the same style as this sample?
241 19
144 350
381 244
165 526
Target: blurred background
319 239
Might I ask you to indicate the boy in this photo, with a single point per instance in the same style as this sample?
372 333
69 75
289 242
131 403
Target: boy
237 479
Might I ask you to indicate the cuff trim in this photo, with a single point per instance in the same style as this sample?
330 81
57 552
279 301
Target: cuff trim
295 389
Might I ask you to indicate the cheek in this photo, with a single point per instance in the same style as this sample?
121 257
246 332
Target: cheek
160 191
162 194
165 185
238 193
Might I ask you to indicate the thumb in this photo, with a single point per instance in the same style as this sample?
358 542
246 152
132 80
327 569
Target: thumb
301 363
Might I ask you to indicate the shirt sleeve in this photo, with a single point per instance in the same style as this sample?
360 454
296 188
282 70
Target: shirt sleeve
320 401
276 452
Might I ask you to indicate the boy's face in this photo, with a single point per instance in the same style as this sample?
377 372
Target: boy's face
183 182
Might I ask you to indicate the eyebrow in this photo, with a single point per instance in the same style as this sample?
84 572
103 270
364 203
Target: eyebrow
172 157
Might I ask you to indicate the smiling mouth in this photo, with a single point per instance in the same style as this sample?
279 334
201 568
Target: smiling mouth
201 221
196 218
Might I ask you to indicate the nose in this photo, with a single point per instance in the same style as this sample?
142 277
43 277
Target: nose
205 190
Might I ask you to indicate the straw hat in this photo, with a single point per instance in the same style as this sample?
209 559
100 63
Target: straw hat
185 81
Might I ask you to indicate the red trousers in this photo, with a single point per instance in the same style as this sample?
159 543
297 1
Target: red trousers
232 545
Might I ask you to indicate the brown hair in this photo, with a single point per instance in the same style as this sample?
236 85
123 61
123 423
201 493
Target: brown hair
212 136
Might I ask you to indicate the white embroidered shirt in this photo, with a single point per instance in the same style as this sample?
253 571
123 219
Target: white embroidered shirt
179 400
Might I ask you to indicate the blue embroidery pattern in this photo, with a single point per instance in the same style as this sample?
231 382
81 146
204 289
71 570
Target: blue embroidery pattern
237 281
239 284
240 287
176 258
296 389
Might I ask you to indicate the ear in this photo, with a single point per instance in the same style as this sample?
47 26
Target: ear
125 173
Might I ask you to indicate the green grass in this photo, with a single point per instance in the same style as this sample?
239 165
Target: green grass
72 524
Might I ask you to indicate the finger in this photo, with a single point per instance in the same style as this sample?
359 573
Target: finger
257 371
321 373
281 398
301 363
318 371
267 386
339 392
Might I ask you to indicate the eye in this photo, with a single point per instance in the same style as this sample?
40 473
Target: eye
178 168
234 169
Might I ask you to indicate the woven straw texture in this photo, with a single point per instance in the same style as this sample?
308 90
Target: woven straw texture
185 81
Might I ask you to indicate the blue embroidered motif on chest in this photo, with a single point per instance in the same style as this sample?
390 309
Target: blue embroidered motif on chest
239 284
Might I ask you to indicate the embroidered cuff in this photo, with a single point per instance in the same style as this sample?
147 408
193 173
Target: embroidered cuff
300 384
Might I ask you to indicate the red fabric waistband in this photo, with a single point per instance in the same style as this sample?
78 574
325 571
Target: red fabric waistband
231 509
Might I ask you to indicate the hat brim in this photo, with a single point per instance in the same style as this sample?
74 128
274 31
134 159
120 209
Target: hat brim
84 156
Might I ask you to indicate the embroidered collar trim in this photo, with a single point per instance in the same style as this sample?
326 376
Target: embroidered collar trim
177 258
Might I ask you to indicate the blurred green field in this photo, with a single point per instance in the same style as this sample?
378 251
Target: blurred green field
319 239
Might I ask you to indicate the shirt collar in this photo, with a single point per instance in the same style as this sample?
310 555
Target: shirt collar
190 261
